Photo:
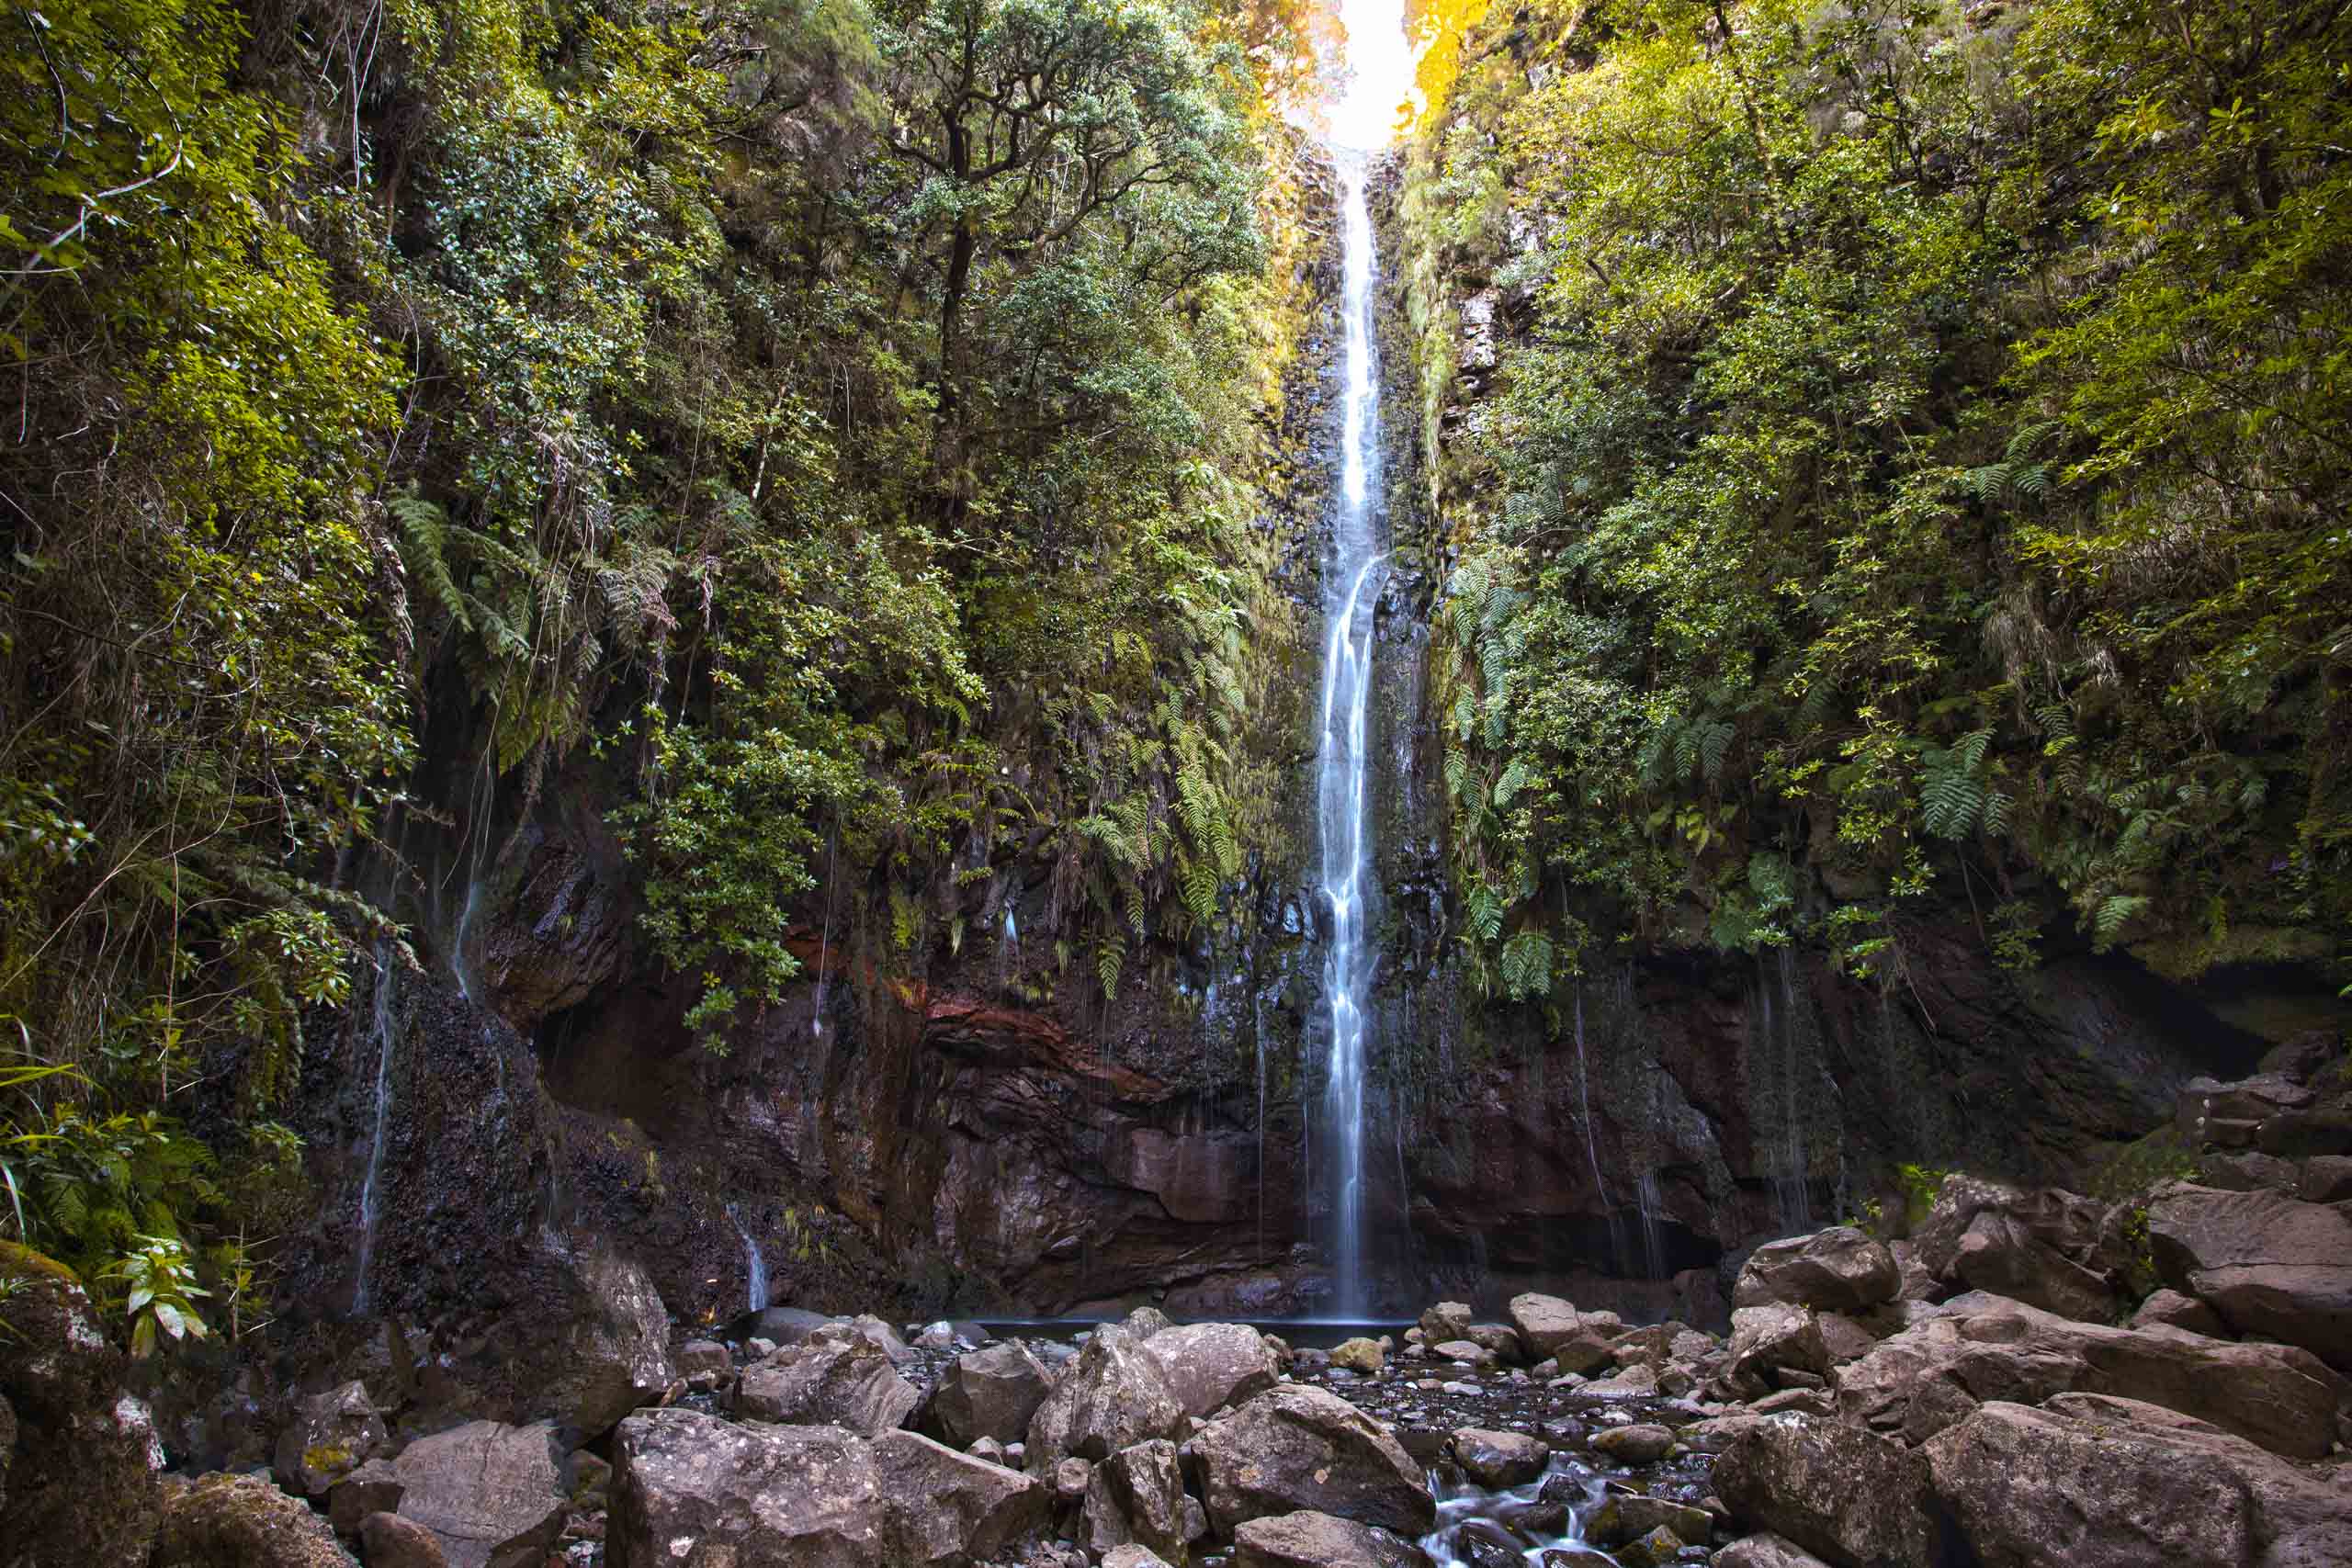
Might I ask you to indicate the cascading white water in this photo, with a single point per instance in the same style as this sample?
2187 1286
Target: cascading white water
1341 762
371 1187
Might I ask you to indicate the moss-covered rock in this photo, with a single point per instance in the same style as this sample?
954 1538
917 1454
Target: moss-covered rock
243 1521
80 1464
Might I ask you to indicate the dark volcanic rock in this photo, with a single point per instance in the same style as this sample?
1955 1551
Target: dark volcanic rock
742 1496
332 1434
2269 1264
491 1495
988 1393
1310 1539
1497 1459
2099 1483
391 1541
1297 1449
843 1379
1838 1269
1137 1496
1855 1499
1986 1347
946 1508
1113 1396
1211 1365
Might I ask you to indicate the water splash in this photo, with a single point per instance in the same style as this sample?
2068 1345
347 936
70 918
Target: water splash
755 1263
1342 764
371 1187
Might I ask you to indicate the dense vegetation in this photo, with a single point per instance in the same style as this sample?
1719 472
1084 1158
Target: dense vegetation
840 424
1913 478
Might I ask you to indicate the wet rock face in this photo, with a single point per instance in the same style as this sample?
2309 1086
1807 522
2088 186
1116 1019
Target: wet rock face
78 1480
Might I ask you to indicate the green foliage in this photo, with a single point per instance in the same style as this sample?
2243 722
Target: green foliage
1926 459
158 1281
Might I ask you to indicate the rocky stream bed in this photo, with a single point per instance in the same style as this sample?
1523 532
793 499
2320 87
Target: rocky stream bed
2027 1377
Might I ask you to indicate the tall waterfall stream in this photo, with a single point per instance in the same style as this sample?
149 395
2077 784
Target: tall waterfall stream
1341 759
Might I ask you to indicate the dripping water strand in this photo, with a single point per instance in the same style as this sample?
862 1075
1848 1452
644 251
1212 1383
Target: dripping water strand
371 1186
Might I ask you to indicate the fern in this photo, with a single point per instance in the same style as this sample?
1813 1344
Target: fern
1482 913
1519 773
2113 913
1527 966
1952 797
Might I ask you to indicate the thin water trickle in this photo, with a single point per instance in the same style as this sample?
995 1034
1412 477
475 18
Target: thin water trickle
1591 1146
371 1187
1341 763
755 1263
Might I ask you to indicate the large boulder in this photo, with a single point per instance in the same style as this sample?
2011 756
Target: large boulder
1851 1498
842 1380
1999 1252
1765 1550
1297 1449
243 1521
1211 1365
81 1456
332 1434
1552 1328
944 1509
2170 1309
1112 1396
606 1353
742 1496
1838 1270
2099 1483
1310 1540
2269 1264
1451 1320
1497 1459
491 1494
1136 1497
1985 1348
1767 1339
387 1540
988 1393
2068 1224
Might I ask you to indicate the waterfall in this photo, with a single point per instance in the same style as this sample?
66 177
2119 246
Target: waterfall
371 1187
1341 762
755 1265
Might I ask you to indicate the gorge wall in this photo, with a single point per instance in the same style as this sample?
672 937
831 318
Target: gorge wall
950 1128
